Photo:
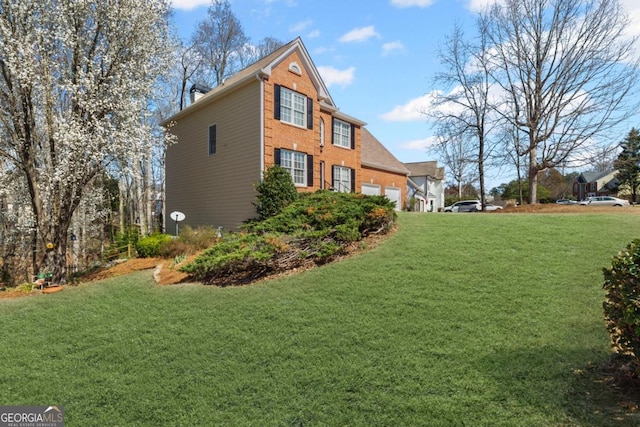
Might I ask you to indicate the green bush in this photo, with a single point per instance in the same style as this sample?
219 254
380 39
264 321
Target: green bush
275 191
346 216
149 246
622 303
313 229
241 255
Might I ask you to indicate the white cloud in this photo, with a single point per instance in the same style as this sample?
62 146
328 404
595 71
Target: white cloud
411 111
300 26
419 144
332 76
359 34
409 3
478 5
189 4
314 34
633 10
391 47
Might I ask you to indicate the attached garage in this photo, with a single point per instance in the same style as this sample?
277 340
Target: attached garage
395 195
371 189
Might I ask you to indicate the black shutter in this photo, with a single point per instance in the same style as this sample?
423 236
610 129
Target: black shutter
276 102
309 171
353 180
353 137
276 156
309 113
333 131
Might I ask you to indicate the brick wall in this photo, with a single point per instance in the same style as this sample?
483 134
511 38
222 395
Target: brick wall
282 135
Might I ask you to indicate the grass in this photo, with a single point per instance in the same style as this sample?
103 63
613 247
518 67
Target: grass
479 320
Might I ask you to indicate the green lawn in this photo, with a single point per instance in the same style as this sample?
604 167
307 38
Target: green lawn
455 320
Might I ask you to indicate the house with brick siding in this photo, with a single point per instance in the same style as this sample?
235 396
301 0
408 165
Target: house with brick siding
276 111
590 184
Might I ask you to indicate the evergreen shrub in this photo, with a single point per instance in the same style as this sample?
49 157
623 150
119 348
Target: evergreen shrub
622 303
275 191
311 230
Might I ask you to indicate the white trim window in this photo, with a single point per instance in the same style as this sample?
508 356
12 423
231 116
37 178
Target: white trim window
293 107
296 164
341 133
342 179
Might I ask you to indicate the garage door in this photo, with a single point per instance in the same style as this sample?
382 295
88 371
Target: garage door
370 189
393 194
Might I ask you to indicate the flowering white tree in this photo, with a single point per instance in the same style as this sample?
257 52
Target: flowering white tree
75 77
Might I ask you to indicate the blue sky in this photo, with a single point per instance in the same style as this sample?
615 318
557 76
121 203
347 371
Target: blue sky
378 57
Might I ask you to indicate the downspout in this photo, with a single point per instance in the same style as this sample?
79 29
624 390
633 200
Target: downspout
260 77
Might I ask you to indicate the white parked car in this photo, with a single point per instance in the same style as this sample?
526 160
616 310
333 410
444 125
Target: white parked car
464 206
489 207
604 201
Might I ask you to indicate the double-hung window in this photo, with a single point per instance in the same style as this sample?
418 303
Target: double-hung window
296 163
293 107
341 133
342 179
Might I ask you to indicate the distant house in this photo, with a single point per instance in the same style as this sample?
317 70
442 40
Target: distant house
590 184
425 187
276 111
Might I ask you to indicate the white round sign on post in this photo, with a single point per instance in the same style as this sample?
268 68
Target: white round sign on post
177 217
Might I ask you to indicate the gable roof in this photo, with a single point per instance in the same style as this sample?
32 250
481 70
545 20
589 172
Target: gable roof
262 69
429 168
375 155
585 177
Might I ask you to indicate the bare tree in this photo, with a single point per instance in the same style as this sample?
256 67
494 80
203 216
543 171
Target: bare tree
74 82
459 156
464 112
252 53
566 70
189 61
219 39
604 157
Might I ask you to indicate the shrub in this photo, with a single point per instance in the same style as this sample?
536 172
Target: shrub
190 241
346 216
313 229
622 303
241 255
149 246
275 192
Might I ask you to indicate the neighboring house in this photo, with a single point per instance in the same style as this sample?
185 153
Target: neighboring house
590 184
276 111
425 186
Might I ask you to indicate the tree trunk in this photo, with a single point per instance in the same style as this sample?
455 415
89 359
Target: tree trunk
481 168
533 173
